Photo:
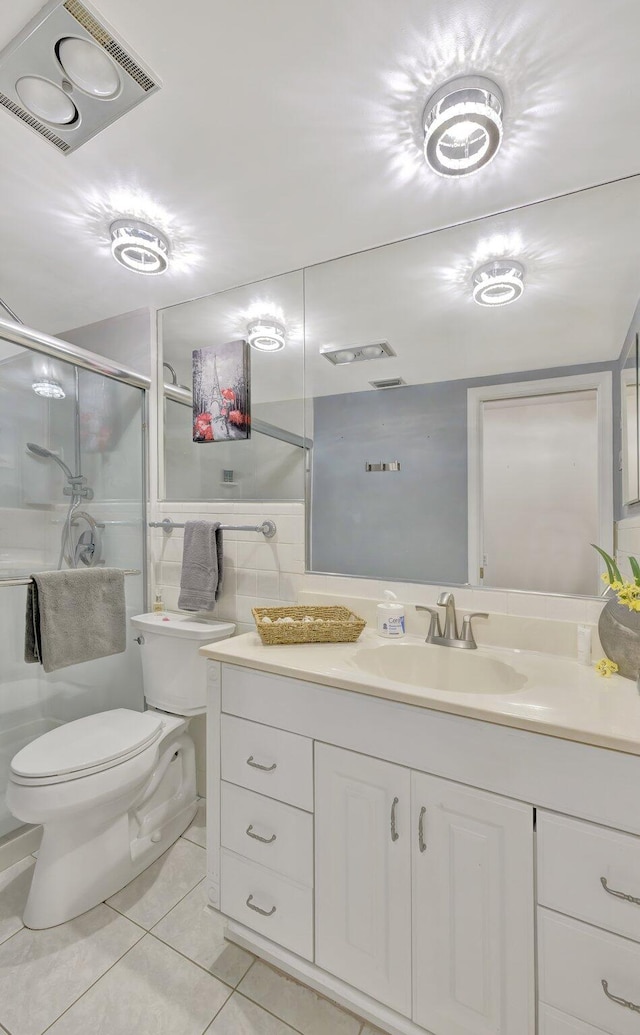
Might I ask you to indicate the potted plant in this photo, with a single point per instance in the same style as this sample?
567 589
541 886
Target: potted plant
619 624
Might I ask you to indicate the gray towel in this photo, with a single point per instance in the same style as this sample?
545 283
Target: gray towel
74 616
201 578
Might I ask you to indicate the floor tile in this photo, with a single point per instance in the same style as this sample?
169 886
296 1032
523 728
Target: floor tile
43 972
14 888
300 1007
197 931
241 1017
151 991
197 832
161 886
368 1030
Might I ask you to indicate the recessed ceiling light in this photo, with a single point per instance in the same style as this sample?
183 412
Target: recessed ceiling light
498 283
139 247
355 353
49 389
88 67
266 333
463 125
46 101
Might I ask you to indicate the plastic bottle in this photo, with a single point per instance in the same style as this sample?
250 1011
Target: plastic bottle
390 616
584 645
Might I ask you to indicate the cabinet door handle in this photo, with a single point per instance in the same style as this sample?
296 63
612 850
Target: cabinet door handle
394 833
617 999
618 894
256 765
256 909
421 841
256 837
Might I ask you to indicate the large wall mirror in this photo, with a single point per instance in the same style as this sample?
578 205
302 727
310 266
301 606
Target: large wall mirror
270 465
510 442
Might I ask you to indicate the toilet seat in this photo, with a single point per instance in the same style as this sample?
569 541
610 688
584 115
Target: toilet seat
85 746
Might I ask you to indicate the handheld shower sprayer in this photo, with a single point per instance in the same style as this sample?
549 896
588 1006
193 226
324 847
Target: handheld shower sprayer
77 483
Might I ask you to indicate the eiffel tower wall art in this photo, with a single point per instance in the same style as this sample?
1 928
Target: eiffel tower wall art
221 383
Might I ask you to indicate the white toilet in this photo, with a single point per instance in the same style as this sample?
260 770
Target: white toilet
115 790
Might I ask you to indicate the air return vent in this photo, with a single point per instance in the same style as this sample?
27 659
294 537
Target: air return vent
388 382
67 75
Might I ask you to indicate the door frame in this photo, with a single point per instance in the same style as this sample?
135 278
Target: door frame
602 383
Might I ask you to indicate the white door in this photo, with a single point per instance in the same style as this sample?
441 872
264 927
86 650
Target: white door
363 874
473 911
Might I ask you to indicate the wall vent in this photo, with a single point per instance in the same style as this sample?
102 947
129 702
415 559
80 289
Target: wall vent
112 47
388 382
15 109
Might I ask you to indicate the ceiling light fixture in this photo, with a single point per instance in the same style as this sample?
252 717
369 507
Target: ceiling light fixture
49 389
463 125
139 247
498 283
88 67
338 355
266 334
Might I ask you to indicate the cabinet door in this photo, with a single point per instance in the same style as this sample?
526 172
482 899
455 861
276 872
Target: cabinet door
473 911
363 874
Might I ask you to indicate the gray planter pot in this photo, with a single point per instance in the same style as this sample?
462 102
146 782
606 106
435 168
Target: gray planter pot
619 632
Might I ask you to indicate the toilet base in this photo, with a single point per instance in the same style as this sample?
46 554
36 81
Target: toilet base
85 860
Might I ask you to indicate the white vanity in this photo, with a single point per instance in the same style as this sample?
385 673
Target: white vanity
449 861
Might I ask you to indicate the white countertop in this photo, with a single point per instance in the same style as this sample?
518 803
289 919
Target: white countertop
558 697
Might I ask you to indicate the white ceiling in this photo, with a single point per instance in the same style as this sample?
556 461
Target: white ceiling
287 132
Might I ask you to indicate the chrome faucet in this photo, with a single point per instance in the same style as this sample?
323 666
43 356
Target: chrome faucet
450 636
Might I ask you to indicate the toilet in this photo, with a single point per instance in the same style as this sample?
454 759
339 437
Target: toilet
114 790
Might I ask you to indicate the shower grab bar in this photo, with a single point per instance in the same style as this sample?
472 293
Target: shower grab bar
268 528
26 579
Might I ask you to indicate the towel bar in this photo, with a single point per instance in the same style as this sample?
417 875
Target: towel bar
26 579
268 528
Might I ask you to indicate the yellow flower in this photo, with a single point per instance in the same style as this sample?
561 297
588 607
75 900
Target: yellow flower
605 577
619 587
604 667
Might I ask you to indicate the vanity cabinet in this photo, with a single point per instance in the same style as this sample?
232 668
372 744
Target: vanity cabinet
386 855
363 873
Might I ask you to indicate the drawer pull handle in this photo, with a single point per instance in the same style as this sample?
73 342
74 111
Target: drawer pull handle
256 765
619 894
421 841
617 999
394 833
256 837
256 909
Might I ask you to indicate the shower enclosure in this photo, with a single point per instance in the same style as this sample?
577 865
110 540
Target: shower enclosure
72 494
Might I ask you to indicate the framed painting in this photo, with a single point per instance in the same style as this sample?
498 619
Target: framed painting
221 392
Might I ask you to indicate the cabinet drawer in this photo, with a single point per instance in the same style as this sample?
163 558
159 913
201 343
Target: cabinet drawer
286 915
574 959
552 1022
573 859
268 832
268 760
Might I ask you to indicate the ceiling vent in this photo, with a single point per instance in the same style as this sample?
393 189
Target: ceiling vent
388 382
67 75
341 354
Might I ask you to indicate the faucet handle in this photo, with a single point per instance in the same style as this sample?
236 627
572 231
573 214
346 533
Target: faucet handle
434 624
467 632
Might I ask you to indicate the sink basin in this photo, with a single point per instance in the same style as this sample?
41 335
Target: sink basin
440 668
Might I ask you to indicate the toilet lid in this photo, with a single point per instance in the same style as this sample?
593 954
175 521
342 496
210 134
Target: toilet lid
85 743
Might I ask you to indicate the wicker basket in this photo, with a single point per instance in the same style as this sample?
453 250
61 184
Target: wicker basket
339 625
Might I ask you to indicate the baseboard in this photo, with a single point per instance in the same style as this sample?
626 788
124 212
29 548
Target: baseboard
18 845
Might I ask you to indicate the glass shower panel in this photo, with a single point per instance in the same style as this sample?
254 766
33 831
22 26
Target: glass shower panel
96 430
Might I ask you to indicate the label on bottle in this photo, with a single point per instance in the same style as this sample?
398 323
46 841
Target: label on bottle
391 625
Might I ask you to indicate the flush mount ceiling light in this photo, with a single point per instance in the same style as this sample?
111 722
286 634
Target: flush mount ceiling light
355 353
498 283
67 75
49 389
463 125
139 247
266 333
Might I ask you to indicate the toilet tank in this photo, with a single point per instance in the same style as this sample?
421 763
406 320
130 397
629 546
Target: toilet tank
174 675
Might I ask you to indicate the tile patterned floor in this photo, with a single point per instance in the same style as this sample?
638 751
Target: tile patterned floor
152 960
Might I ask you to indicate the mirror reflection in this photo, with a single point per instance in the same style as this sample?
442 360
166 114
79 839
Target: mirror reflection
270 464
497 458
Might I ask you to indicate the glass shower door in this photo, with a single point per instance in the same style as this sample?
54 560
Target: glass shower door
92 425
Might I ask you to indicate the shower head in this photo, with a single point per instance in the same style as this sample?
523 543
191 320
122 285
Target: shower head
46 454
